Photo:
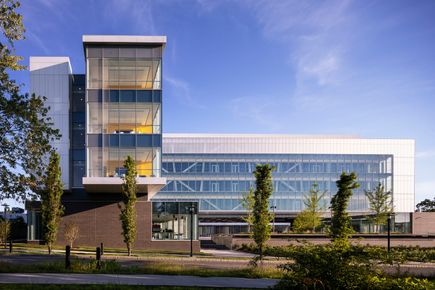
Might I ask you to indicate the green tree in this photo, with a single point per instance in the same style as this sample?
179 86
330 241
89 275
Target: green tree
426 205
51 203
128 211
248 204
26 130
310 217
261 215
380 205
341 228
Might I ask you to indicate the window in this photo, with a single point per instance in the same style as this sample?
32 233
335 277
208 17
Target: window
172 220
214 168
215 187
235 168
235 186
94 73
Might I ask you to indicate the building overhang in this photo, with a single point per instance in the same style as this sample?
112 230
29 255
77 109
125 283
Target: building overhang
148 185
124 39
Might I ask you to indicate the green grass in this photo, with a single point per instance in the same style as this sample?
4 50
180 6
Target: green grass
99 287
43 249
113 267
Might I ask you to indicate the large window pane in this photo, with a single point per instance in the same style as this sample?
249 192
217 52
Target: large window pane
95 117
173 220
95 161
94 73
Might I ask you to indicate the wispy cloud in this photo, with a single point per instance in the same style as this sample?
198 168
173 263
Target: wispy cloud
33 37
315 34
180 90
135 15
425 154
256 110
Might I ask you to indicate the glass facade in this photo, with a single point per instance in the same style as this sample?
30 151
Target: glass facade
124 100
78 130
174 220
219 181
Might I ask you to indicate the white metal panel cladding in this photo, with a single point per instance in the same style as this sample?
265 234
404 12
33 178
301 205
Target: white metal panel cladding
50 77
402 150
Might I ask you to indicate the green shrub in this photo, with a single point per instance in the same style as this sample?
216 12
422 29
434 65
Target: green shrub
408 283
327 267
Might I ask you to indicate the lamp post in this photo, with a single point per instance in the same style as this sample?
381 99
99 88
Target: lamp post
273 207
5 208
191 211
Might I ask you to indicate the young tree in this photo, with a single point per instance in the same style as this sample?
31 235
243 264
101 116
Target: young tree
426 205
341 228
71 233
51 203
381 205
248 204
26 130
5 231
309 218
261 215
128 212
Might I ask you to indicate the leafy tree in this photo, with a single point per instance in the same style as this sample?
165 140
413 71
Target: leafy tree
341 228
380 204
248 204
261 215
128 212
71 233
426 205
5 230
309 218
26 130
51 203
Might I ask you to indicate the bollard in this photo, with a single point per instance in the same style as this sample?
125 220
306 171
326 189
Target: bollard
10 246
98 258
102 249
67 257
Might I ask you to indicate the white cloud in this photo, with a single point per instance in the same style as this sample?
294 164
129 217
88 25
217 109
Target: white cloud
257 110
131 13
425 154
316 35
180 89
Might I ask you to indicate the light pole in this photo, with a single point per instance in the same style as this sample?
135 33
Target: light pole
191 211
5 208
273 207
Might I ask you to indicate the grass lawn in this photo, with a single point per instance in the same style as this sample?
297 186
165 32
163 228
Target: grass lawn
43 249
162 268
98 287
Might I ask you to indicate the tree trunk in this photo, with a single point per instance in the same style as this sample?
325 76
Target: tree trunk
49 249
129 249
261 252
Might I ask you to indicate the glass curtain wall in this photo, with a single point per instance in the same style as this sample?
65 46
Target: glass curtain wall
124 108
173 220
220 181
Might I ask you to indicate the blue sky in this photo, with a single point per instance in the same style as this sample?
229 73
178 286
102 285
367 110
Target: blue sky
362 68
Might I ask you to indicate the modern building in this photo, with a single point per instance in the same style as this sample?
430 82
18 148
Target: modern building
216 170
187 183
111 112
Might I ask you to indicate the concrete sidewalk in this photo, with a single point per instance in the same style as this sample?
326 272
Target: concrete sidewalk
149 280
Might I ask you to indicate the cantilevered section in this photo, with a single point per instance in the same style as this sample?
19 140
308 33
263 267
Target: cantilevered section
149 185
124 39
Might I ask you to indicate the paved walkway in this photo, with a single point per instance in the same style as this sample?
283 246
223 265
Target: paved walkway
227 253
149 280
